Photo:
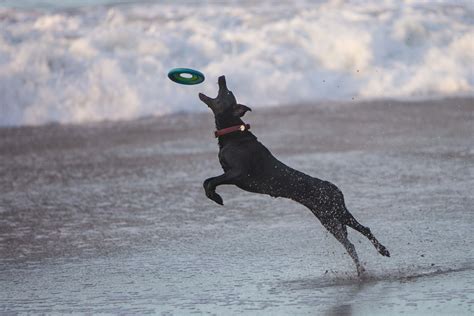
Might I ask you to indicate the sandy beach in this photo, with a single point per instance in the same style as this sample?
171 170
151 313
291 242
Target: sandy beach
111 217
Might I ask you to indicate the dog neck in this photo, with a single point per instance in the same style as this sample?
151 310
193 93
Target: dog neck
227 121
232 129
226 135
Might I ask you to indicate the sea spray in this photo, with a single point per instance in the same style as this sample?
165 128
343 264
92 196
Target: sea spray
110 62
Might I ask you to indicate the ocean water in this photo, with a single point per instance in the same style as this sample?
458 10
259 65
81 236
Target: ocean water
84 61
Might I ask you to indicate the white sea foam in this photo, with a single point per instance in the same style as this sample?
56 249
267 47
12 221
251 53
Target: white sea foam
111 62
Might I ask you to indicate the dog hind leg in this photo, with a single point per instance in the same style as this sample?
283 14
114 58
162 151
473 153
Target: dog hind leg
339 231
353 223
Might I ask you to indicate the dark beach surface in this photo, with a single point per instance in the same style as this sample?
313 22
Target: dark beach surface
111 217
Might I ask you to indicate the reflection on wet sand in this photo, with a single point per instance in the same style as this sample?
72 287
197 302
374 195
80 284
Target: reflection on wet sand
339 310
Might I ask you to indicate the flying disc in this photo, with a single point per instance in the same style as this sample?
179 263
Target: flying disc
185 76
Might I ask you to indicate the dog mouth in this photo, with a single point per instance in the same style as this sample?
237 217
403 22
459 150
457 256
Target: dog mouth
224 99
206 100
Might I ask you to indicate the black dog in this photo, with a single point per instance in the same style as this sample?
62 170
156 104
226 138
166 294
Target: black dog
250 166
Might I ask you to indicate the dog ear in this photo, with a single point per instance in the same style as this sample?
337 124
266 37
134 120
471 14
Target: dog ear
240 109
204 98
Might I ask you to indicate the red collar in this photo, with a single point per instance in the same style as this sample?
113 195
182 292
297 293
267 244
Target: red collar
241 128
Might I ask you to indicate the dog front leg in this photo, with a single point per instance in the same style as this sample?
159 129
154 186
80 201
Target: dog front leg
211 184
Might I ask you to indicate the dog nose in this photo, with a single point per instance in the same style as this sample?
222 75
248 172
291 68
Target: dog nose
222 83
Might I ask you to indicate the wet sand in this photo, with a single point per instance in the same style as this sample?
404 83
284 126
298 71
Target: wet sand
111 217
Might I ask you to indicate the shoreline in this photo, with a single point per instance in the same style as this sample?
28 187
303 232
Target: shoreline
422 100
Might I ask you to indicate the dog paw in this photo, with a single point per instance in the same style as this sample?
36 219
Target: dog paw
216 198
211 193
383 251
361 272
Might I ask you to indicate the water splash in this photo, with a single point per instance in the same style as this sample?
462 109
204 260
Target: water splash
110 62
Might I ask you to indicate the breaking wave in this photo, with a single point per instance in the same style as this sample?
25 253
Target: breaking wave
111 62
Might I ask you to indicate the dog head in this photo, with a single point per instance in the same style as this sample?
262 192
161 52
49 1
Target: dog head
225 103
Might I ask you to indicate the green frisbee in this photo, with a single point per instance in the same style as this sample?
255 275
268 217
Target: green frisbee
185 76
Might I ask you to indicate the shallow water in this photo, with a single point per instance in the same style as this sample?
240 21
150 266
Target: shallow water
112 218
223 282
